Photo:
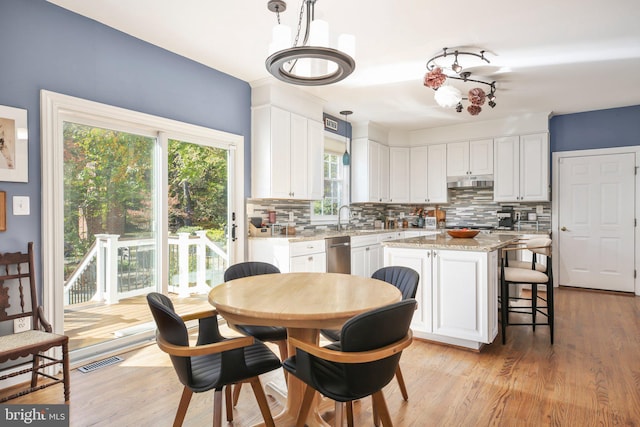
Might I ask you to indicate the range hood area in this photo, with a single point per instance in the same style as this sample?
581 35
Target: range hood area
477 181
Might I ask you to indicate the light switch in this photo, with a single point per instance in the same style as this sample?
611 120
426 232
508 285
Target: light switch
21 205
539 210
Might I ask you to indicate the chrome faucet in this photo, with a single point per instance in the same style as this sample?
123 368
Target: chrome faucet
339 216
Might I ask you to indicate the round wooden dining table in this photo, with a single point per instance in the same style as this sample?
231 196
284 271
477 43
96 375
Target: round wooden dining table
304 303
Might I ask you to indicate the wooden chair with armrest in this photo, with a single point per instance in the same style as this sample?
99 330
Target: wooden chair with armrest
19 304
406 280
359 365
215 362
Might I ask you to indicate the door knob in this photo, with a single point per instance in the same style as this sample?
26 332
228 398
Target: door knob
563 229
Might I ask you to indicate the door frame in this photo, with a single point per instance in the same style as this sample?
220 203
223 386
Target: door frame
54 106
555 205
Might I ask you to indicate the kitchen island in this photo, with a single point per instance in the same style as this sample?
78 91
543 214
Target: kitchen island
458 290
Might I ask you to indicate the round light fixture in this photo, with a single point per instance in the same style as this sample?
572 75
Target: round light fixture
448 96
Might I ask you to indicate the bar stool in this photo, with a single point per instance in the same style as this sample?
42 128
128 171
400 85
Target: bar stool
515 273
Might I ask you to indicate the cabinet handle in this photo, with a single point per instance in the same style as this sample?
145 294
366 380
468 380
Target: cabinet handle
310 258
563 229
429 254
366 249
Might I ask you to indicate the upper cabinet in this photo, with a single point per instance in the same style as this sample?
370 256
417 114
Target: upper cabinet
428 174
370 171
399 174
286 155
470 158
522 168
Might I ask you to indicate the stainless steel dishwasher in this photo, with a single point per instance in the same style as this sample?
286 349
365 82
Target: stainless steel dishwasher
338 254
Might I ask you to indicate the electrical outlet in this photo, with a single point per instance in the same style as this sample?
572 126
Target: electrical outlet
21 324
290 216
539 210
401 214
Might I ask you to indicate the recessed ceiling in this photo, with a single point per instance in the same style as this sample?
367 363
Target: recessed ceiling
562 56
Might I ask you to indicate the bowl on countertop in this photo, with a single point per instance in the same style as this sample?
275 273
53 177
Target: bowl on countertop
464 234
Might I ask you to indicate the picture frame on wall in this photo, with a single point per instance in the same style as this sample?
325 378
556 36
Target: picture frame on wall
14 145
3 211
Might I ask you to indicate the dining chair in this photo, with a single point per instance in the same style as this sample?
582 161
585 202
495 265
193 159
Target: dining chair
406 280
215 362
275 334
515 274
28 351
359 365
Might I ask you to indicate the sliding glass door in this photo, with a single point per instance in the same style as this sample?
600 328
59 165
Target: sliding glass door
135 204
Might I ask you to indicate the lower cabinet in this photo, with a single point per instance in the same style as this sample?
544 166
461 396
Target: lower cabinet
366 255
299 257
457 294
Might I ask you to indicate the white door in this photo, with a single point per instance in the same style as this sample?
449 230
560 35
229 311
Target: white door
596 221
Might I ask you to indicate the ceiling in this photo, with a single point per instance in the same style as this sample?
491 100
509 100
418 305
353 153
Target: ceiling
564 56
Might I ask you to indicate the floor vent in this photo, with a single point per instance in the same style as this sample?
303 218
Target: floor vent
100 364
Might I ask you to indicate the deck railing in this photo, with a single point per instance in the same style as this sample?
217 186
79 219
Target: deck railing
114 269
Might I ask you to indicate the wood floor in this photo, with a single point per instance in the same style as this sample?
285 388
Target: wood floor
589 377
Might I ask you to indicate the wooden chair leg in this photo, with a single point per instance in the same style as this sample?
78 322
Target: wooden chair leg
65 372
374 411
339 414
182 407
383 411
284 354
349 413
401 384
228 402
309 394
217 408
256 385
34 370
236 393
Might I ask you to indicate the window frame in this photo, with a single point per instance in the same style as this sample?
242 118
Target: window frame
345 173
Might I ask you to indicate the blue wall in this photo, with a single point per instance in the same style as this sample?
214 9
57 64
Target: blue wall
47 47
616 127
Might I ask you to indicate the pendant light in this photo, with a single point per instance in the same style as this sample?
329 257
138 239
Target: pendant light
346 158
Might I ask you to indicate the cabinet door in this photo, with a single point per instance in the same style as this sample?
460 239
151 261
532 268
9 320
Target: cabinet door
399 166
420 261
534 168
315 162
506 175
460 295
458 158
376 259
313 263
280 153
383 172
359 261
374 177
418 173
481 157
437 174
299 167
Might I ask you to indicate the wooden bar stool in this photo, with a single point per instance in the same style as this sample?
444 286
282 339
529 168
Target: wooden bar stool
535 274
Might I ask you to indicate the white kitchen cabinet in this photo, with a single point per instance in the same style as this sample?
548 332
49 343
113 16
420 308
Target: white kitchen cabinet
428 174
522 168
399 166
365 255
286 155
370 171
465 295
420 261
304 256
457 294
470 158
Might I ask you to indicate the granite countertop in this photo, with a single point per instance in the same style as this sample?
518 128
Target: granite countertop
323 234
480 243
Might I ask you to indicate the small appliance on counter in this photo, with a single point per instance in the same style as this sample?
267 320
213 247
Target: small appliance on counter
506 218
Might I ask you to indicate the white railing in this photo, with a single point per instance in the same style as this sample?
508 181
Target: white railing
111 255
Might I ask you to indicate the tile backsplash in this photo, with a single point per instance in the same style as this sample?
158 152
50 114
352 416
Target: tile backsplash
467 206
